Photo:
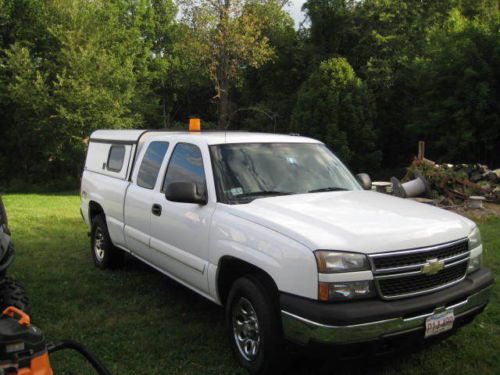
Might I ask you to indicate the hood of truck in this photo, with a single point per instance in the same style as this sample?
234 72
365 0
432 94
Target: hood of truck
360 221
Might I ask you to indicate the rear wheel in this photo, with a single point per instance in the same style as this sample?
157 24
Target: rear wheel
12 293
254 326
105 254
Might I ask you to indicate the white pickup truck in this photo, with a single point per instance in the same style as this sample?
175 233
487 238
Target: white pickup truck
276 229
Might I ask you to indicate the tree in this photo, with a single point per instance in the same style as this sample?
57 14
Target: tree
172 69
409 69
267 95
24 40
392 35
457 83
96 67
332 30
30 105
387 44
335 105
230 38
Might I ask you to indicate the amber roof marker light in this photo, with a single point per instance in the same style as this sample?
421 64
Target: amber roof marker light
194 124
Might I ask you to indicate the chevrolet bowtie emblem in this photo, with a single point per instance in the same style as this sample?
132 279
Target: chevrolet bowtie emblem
432 266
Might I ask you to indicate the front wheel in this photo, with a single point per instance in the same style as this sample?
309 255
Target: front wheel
254 326
105 254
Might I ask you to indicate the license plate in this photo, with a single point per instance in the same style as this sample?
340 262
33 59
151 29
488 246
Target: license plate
439 323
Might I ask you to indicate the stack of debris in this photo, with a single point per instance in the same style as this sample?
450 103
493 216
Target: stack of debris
453 184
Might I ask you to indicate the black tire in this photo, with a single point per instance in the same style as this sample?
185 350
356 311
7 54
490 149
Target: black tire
7 262
104 253
256 290
3 217
12 293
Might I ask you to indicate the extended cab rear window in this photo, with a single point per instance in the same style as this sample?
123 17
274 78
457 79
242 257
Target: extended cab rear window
151 163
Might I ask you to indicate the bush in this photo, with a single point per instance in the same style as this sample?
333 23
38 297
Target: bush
335 106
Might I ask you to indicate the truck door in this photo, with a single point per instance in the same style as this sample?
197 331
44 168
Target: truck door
139 199
179 231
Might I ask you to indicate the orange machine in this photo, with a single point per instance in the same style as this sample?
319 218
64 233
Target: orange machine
24 351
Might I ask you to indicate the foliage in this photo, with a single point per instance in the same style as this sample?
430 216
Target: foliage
431 65
268 94
458 82
229 35
332 29
336 106
69 81
408 70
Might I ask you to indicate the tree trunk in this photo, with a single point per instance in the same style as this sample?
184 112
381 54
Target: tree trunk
223 67
224 105
164 111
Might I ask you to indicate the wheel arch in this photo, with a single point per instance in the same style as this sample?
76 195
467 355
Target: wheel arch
231 268
95 209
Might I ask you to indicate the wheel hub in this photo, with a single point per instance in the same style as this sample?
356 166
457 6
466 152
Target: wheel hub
246 329
99 244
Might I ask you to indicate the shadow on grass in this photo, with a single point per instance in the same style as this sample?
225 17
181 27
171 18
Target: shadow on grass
391 357
178 293
299 360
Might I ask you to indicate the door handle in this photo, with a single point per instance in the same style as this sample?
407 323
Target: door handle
156 210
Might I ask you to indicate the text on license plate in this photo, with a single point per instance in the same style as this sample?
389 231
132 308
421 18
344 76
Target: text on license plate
438 323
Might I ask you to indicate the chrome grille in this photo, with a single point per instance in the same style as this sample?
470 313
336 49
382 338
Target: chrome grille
399 274
405 285
421 256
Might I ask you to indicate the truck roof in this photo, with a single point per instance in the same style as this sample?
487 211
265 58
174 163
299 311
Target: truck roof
210 137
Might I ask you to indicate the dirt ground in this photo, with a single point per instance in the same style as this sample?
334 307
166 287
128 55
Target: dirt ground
488 210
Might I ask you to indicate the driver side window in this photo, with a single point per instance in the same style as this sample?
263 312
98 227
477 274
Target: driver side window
186 165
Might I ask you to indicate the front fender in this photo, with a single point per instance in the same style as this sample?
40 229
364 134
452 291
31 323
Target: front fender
291 264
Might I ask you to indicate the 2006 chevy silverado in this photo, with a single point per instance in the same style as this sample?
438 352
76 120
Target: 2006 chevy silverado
276 229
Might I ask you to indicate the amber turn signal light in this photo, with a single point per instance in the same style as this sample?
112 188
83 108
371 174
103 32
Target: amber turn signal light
323 292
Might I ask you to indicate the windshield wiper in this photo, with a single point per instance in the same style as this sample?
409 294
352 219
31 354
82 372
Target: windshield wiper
330 188
263 193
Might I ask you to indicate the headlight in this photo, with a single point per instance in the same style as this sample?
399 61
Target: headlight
346 290
474 238
476 251
475 263
336 261
341 262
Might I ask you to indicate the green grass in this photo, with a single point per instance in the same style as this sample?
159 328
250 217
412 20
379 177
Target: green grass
140 322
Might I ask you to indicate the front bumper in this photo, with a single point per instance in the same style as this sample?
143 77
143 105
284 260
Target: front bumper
305 321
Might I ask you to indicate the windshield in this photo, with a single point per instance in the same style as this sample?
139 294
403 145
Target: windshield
246 171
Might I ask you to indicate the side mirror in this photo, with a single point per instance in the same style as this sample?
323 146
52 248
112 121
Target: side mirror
364 180
184 192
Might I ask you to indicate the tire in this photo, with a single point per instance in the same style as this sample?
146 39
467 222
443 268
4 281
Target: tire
3 217
104 253
263 353
12 293
7 260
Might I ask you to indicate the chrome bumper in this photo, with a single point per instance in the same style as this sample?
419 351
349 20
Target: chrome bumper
303 331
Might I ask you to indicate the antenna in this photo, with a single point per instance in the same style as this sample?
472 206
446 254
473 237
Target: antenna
273 116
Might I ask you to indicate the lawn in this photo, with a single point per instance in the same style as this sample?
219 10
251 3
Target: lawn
140 322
